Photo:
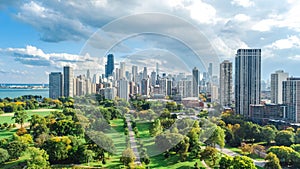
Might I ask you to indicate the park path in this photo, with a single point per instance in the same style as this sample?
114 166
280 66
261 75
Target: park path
132 140
231 153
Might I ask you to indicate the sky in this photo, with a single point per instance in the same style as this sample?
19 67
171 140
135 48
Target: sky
39 37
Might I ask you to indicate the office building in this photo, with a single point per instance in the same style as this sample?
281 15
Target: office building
109 67
68 81
226 84
55 85
195 82
247 80
276 85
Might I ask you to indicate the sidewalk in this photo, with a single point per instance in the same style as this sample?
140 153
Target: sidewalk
132 140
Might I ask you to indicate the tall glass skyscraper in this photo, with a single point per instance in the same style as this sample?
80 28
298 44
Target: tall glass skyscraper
195 82
225 94
109 67
68 81
55 85
247 80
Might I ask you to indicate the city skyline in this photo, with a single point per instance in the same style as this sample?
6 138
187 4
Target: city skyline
28 49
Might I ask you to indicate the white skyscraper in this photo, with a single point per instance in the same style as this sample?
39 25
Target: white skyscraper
123 89
247 80
134 72
122 70
276 85
226 86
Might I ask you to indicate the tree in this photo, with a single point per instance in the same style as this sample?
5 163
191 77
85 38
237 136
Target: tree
217 137
243 162
225 162
284 138
209 153
15 148
127 156
38 125
283 153
156 128
38 158
20 117
57 148
297 136
268 134
4 156
272 161
88 155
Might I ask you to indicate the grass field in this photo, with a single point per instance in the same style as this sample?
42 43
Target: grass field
7 118
43 112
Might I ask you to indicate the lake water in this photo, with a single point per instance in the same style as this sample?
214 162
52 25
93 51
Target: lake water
13 93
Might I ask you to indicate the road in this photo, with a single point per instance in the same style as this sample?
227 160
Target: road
231 153
132 140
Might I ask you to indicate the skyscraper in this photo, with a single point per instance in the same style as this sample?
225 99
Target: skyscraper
109 67
123 89
55 85
225 95
247 80
153 78
210 70
291 97
68 81
276 85
195 82
134 72
122 70
145 73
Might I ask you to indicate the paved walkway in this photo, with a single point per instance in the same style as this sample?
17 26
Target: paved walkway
231 153
132 140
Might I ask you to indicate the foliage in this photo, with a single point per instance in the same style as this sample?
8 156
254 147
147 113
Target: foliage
243 162
4 156
225 162
38 158
272 161
20 117
15 148
209 153
127 156
284 138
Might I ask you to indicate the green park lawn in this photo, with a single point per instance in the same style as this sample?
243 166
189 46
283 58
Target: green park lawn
6 118
43 112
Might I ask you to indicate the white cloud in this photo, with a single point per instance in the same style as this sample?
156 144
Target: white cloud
32 56
288 43
243 3
295 57
241 17
202 12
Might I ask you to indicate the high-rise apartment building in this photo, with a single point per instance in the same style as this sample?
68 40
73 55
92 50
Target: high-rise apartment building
68 81
291 98
226 84
195 82
109 67
247 80
55 85
276 85
123 89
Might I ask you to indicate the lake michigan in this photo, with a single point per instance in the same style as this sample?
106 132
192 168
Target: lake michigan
17 92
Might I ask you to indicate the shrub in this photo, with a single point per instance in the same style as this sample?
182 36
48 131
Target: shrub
4 156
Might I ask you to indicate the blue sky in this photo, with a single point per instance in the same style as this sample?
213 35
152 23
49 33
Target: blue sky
37 37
